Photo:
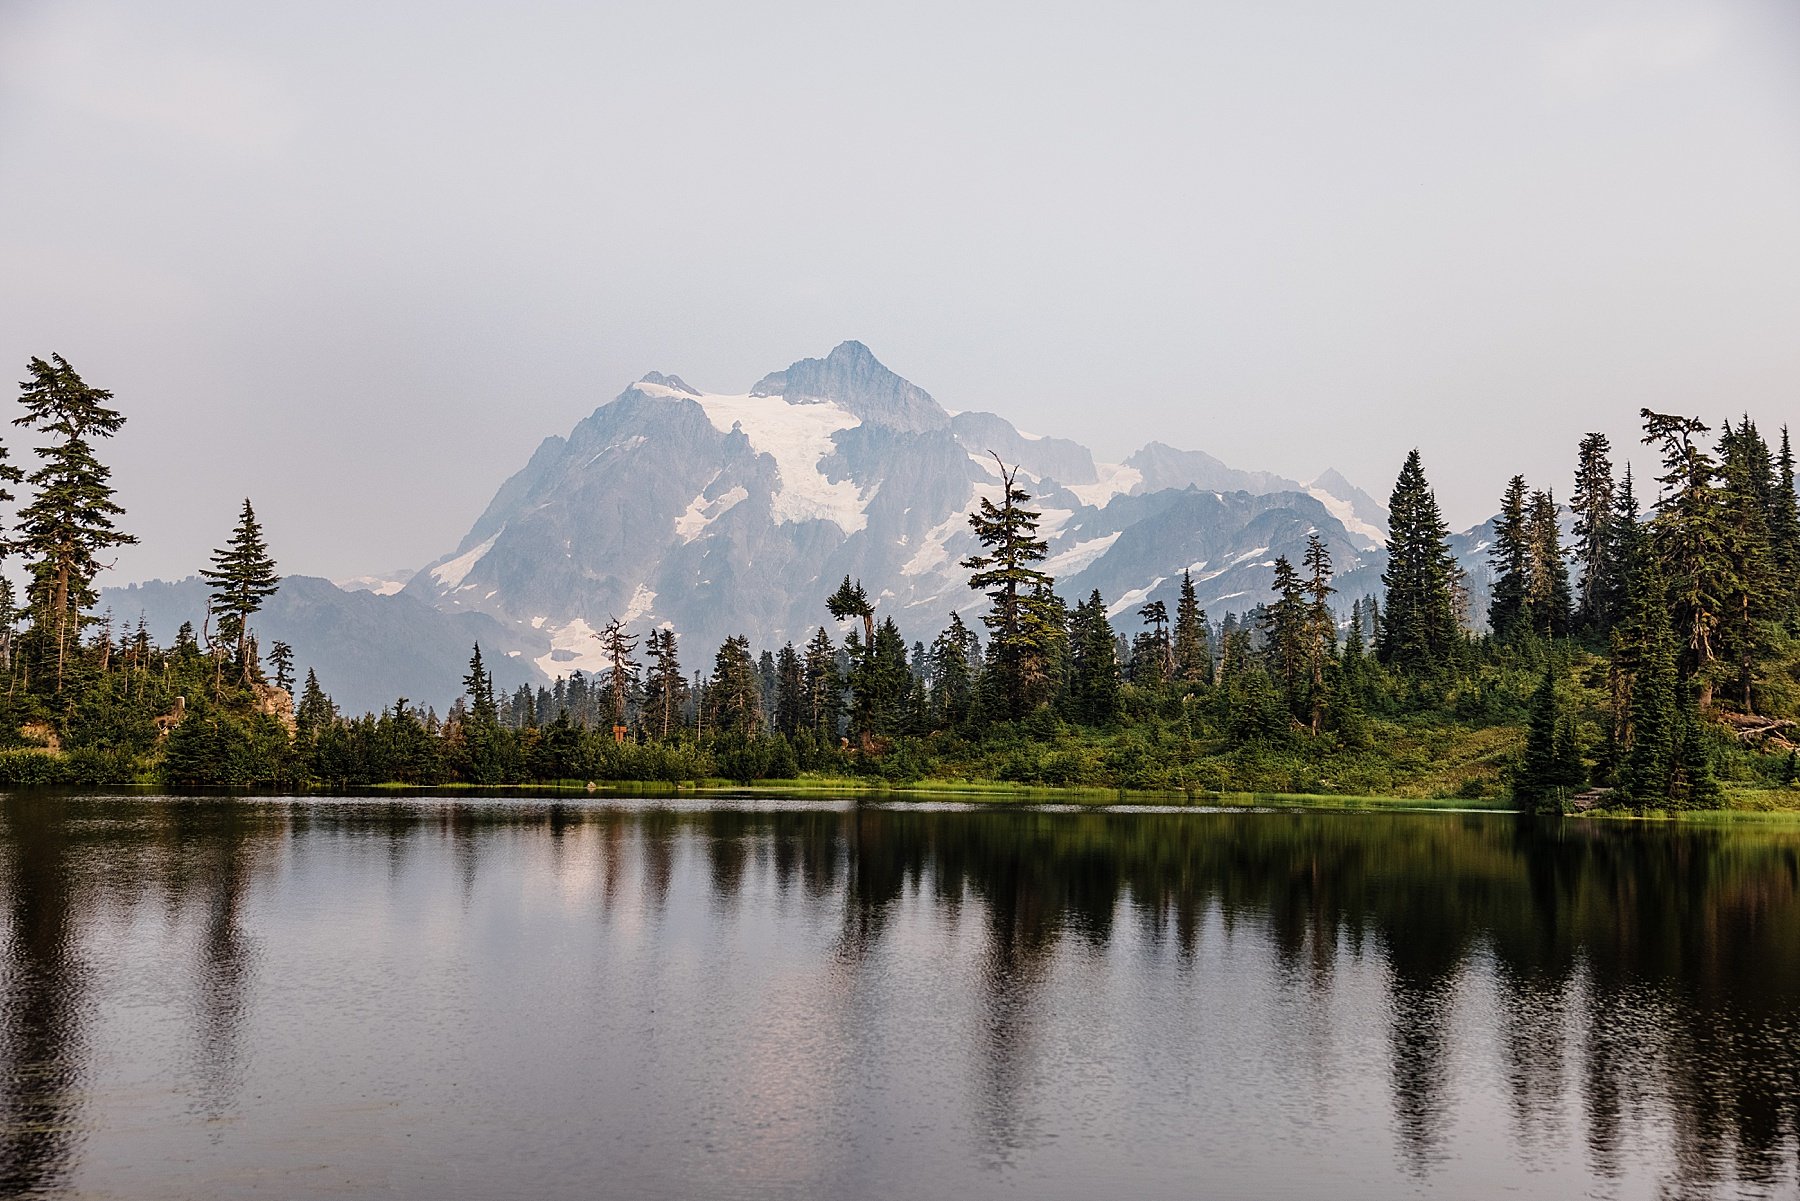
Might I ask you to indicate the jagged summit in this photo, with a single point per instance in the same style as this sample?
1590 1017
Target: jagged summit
853 377
672 382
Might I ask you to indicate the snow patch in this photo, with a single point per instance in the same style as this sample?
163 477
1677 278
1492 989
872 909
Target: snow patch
638 605
1116 479
1134 598
573 646
451 575
797 437
1077 557
702 512
1346 515
1250 554
934 547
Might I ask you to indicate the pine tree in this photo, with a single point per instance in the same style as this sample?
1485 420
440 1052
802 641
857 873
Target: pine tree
315 710
281 658
824 688
1688 536
68 523
734 698
1538 786
1752 594
1094 675
621 669
954 655
1024 630
1784 533
1418 631
790 692
1193 657
1594 503
478 686
1320 626
1286 626
1510 558
667 687
1547 590
1648 771
1151 654
242 577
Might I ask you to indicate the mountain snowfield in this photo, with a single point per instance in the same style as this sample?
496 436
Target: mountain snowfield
738 512
735 513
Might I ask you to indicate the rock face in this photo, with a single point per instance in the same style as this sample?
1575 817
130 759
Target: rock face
737 513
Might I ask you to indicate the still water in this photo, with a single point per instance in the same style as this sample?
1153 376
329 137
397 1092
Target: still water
758 998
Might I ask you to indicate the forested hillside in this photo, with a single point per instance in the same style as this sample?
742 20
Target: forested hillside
1651 661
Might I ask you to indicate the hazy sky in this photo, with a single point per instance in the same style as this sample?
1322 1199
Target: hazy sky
357 259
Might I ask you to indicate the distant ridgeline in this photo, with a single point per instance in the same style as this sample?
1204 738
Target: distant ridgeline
1614 656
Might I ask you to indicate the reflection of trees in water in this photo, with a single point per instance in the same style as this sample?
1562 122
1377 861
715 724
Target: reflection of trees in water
43 1003
1646 979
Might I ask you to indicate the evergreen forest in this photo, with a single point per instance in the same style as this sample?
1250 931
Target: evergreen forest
1649 661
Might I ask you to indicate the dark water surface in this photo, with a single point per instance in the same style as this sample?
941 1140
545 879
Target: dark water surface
493 999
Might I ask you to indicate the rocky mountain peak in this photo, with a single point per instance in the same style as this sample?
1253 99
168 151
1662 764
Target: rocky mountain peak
855 379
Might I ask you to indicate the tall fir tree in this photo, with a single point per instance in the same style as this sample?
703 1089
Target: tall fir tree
790 691
824 687
1510 559
954 658
242 577
1689 539
1024 627
281 658
622 669
1594 503
1094 675
68 523
1419 632
1784 533
1321 627
1193 657
734 697
1547 588
667 686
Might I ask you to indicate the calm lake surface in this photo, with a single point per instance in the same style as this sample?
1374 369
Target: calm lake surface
763 998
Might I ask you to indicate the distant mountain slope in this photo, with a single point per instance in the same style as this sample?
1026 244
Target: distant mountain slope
738 513
368 649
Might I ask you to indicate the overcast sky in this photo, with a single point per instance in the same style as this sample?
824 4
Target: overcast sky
357 259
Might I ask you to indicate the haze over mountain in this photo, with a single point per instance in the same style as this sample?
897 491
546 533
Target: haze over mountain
721 514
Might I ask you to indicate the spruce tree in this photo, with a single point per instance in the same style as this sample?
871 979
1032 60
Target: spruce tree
478 686
68 523
1752 594
1784 534
1547 590
790 692
824 687
667 687
242 577
954 656
1647 774
1151 655
1321 626
621 669
1023 620
734 698
1285 624
1510 558
281 658
1418 631
1538 786
1193 657
1689 539
1594 503
1094 677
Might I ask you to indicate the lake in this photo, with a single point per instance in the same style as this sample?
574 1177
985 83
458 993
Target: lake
756 997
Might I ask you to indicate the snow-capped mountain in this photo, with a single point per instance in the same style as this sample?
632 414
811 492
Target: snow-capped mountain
723 513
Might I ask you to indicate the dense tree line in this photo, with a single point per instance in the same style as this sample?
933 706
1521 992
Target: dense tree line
1638 651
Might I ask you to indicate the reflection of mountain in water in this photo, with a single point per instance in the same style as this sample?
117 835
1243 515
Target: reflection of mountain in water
1628 976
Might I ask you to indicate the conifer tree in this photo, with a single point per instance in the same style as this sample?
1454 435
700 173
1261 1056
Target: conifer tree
1286 626
621 669
1648 770
281 658
1024 626
478 686
1784 533
1094 674
1752 595
1594 503
1418 631
790 692
734 698
1193 657
1151 655
315 710
1547 591
824 688
954 655
1688 537
1510 558
667 685
68 524
242 577
1320 626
